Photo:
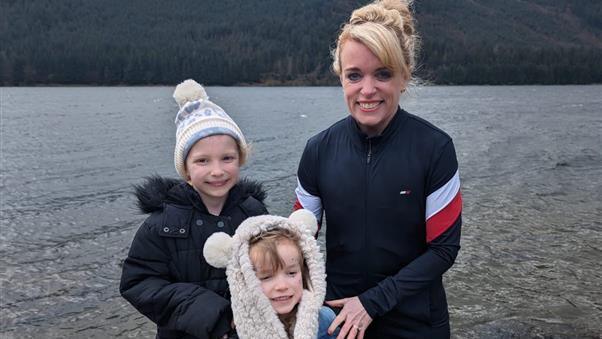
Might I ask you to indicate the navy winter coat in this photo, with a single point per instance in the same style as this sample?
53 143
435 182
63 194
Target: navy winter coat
165 275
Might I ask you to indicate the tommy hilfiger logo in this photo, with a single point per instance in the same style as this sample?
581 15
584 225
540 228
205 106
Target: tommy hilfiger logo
405 192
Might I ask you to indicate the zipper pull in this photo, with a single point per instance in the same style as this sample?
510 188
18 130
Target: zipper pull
369 151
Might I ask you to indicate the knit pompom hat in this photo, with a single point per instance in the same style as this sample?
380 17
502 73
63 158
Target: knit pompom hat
253 314
199 118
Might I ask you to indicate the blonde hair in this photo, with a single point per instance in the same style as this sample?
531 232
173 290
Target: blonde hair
386 27
243 152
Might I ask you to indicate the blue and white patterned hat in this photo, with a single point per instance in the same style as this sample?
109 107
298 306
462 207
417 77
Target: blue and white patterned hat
199 118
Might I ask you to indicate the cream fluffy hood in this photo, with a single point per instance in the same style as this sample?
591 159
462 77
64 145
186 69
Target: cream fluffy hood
253 314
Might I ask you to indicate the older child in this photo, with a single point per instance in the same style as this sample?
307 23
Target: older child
276 275
165 276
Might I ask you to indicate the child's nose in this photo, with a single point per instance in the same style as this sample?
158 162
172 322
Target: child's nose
281 284
216 170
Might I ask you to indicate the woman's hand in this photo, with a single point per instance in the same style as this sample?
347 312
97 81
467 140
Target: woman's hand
354 317
232 332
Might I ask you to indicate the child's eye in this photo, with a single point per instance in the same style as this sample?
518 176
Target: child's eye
384 74
292 273
353 76
264 277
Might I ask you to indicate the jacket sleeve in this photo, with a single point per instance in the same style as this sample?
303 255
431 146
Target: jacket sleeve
147 284
306 193
443 222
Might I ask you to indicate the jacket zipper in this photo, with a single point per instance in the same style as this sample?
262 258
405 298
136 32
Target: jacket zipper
367 184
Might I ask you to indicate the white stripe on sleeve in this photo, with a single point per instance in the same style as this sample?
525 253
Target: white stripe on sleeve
437 200
309 201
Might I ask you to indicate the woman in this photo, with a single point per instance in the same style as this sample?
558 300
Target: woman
388 182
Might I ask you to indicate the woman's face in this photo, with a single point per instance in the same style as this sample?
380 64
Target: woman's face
371 90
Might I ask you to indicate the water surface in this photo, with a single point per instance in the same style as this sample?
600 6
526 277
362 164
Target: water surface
530 163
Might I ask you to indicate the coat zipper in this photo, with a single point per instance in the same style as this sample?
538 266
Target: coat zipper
369 151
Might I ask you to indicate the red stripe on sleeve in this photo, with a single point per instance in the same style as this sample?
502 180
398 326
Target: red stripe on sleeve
297 205
444 219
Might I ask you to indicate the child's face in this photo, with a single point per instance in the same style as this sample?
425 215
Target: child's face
213 166
284 287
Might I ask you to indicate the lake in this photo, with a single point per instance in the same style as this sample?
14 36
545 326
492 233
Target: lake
530 163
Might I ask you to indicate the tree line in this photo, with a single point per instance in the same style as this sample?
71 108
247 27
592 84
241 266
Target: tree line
145 42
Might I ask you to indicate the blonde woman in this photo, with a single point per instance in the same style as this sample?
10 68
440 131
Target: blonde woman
388 182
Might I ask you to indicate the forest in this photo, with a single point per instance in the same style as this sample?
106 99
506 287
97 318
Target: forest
274 42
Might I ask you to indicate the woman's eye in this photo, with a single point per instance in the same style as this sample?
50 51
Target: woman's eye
384 74
201 161
354 76
229 158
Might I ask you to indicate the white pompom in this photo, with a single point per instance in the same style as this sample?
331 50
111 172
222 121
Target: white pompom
189 90
218 249
306 218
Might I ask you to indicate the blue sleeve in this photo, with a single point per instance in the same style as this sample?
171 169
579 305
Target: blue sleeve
325 318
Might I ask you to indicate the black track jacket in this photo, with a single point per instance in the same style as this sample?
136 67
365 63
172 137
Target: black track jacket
393 214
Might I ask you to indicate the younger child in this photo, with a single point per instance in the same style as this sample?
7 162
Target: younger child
276 277
165 276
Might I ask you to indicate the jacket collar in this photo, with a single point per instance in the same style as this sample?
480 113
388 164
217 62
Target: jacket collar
156 191
361 139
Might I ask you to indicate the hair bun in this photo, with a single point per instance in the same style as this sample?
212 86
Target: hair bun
189 90
398 5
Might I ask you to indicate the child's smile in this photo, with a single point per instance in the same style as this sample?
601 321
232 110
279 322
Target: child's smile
284 287
213 166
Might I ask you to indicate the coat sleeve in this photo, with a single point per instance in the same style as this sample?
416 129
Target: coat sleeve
306 193
147 284
443 222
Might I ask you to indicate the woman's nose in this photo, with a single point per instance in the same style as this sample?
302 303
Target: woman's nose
368 86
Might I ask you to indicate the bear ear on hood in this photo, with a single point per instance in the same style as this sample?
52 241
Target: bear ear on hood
218 249
306 218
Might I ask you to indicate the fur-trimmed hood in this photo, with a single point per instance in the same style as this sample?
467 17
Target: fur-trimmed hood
253 314
155 191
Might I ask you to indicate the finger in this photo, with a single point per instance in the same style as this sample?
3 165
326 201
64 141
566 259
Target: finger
337 303
344 331
361 334
335 323
352 332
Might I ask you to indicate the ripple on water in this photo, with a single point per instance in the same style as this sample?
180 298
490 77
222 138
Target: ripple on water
530 165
